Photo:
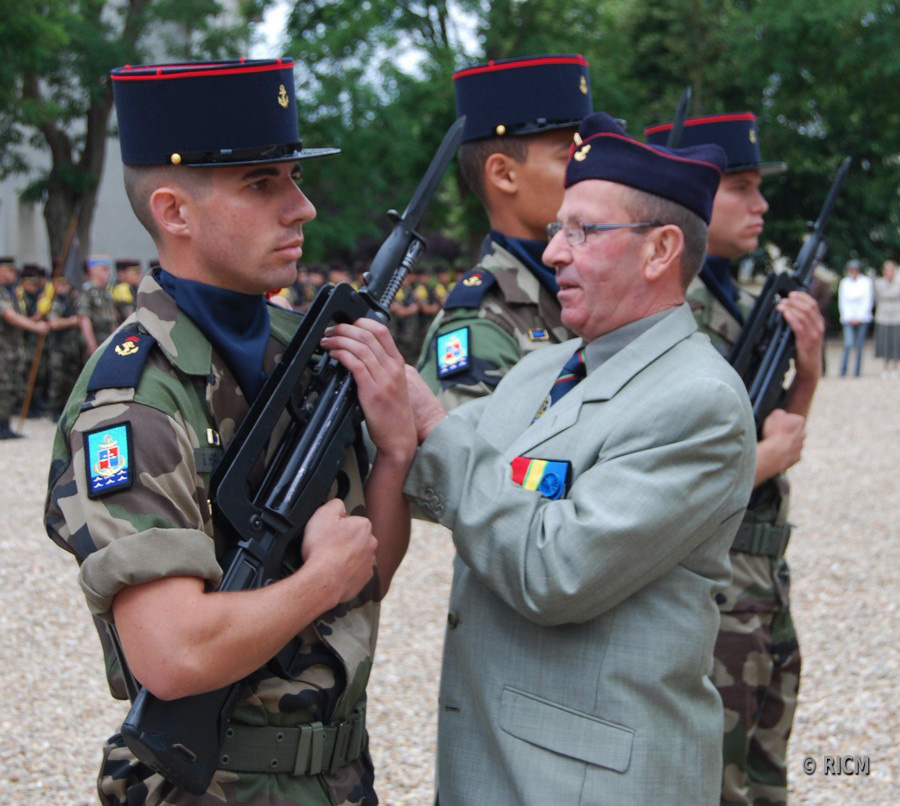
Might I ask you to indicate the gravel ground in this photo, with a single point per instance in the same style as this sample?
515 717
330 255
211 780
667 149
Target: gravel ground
55 711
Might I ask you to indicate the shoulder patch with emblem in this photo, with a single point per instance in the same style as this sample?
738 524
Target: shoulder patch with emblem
453 350
470 290
548 477
109 458
122 360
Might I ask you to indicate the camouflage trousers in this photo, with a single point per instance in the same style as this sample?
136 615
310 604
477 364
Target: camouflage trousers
757 673
65 361
11 360
41 392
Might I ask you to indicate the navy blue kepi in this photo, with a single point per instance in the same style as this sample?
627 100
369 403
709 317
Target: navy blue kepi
205 114
737 134
523 96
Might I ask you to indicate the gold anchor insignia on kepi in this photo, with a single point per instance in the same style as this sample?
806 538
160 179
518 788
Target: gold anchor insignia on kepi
582 85
283 100
470 281
752 135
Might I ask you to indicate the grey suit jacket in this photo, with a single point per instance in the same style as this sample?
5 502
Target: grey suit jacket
581 630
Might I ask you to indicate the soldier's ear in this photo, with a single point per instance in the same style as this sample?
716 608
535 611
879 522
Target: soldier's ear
500 175
169 211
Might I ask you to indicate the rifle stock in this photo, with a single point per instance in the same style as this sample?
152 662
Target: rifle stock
181 739
765 348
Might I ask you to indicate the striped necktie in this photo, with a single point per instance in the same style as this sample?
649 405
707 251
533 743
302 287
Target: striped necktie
573 372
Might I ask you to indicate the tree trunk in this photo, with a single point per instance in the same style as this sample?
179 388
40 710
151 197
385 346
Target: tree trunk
63 200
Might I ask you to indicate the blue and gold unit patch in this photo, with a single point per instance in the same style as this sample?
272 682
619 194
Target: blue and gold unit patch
453 351
109 459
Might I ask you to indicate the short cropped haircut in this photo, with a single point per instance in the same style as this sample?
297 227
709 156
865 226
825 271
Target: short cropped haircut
141 181
643 206
473 156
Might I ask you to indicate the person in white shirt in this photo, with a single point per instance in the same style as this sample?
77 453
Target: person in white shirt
855 299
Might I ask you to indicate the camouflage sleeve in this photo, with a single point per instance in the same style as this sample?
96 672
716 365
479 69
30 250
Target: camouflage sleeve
83 305
159 526
491 353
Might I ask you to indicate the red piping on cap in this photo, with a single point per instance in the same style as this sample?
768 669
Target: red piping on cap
744 116
493 67
157 74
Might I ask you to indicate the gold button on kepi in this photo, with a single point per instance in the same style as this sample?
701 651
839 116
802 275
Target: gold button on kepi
500 130
176 158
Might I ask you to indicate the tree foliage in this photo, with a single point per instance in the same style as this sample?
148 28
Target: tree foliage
56 94
374 78
820 74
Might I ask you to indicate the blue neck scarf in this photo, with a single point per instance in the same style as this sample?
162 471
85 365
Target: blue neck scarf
529 252
237 325
716 276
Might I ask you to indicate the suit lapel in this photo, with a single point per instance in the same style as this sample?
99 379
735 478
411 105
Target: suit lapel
602 384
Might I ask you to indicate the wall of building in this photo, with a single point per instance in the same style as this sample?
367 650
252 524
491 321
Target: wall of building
116 232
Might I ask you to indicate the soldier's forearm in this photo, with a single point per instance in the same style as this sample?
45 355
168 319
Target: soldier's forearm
180 640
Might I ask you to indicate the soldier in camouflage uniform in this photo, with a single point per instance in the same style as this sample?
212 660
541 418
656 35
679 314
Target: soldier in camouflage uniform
405 319
154 410
521 115
124 293
757 657
13 327
64 345
33 298
96 306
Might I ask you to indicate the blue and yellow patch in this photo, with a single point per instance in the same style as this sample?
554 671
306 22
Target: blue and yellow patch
548 477
453 352
109 459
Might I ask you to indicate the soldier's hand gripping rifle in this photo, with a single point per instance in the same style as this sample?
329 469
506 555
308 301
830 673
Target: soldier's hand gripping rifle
763 352
181 739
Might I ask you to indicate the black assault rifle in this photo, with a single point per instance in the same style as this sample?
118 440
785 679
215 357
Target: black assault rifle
681 113
181 739
763 352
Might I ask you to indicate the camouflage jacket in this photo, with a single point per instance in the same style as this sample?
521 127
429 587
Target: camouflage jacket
502 312
11 337
770 502
185 402
98 305
12 357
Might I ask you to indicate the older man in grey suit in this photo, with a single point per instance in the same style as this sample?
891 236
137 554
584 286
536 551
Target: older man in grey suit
592 529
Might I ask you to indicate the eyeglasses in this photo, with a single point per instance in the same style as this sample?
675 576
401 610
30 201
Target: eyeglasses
576 233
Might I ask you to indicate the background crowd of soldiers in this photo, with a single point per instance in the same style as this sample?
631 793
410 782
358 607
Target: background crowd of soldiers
70 320
49 326
415 306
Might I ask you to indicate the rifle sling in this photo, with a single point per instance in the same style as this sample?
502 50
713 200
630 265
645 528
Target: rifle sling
304 750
